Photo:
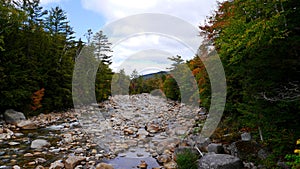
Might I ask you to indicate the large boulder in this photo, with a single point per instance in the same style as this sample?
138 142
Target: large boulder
27 125
13 117
39 143
220 161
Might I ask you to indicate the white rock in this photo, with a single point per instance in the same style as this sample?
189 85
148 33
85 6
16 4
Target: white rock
39 143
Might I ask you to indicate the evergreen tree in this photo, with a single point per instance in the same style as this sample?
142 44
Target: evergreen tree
102 47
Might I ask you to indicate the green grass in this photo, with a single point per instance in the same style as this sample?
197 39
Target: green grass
187 160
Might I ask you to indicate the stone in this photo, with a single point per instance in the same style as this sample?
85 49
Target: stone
79 150
39 167
143 165
139 154
57 165
246 136
27 125
13 117
202 143
283 165
40 160
181 131
215 148
16 167
32 163
94 151
39 143
72 161
128 132
28 155
163 159
19 134
104 166
262 154
220 161
122 155
13 143
171 165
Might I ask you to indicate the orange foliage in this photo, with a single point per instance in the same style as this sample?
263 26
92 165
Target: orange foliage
196 71
37 98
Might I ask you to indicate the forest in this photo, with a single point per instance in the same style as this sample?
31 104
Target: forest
258 43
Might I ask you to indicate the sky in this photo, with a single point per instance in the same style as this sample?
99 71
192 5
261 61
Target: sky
144 33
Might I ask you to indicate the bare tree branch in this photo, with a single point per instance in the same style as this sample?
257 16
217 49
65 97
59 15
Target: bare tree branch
288 92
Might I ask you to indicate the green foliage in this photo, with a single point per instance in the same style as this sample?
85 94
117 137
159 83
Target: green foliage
258 43
187 160
294 159
171 88
38 51
120 83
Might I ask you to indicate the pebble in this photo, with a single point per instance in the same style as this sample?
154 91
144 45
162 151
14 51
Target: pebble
28 155
13 143
32 163
139 154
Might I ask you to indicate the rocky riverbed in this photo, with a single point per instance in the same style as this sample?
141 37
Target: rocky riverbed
125 131
138 131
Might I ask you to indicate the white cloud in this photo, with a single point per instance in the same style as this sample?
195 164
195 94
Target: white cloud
147 52
44 2
190 11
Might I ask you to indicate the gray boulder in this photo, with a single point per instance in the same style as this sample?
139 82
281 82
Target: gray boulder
215 148
220 161
39 143
13 117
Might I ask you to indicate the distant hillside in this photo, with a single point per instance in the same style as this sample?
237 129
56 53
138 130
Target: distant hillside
152 75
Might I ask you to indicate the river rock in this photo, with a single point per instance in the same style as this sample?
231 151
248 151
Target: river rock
72 161
104 166
39 167
27 125
181 131
170 165
163 158
246 136
57 165
39 143
143 165
16 167
13 143
40 160
215 148
220 161
128 132
13 117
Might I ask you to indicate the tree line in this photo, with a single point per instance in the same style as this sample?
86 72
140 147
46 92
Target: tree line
38 51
